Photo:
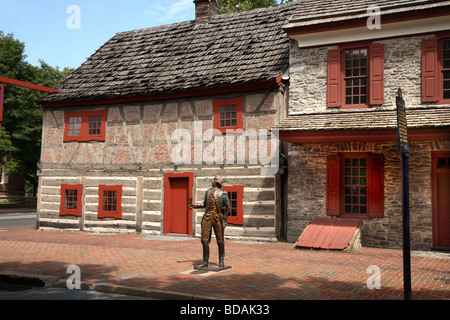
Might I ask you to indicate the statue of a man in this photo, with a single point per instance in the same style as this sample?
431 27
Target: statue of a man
217 209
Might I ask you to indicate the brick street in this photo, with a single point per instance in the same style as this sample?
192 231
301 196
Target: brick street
260 271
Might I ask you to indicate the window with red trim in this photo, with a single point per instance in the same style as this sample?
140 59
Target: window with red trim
71 199
445 47
355 76
236 196
85 126
110 201
228 114
355 185
436 69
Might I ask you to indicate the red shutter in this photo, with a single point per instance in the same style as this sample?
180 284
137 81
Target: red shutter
334 79
333 185
376 191
429 70
376 74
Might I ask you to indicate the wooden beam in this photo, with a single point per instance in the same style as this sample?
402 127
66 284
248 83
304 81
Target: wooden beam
26 85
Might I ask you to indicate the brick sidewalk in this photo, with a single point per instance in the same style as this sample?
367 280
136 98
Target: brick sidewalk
260 271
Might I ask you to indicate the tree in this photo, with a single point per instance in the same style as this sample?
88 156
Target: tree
20 137
230 6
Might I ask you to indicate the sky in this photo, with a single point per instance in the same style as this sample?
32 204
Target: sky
64 33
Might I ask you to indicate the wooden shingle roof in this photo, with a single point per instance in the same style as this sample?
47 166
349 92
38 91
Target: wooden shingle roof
315 12
367 119
231 49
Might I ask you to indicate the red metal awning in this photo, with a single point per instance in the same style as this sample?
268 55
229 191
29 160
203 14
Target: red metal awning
327 233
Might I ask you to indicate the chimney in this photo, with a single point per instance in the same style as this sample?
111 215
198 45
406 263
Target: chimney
205 9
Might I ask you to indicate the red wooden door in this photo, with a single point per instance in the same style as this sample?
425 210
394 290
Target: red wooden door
177 216
441 199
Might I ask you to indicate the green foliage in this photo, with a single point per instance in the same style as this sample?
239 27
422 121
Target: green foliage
230 6
20 136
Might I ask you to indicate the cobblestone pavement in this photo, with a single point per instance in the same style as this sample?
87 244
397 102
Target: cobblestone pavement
259 270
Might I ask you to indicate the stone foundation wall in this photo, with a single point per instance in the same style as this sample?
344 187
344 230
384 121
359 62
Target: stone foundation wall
307 190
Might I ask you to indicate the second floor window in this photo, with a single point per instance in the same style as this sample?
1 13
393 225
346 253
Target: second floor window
228 114
436 69
85 126
446 69
355 76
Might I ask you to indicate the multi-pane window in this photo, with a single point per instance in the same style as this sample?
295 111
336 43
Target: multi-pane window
228 114
356 77
110 201
355 186
233 203
85 126
95 125
446 69
236 196
71 199
74 126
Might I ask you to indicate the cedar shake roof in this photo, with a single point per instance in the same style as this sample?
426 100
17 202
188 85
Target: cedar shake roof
324 11
367 119
231 49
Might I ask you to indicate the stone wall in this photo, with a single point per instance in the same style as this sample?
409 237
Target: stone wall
402 69
307 190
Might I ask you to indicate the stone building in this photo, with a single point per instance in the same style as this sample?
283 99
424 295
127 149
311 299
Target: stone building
141 127
347 63
149 119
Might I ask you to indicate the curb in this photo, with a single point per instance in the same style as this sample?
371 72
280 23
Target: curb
18 210
52 281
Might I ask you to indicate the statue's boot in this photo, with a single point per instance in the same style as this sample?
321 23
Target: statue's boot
204 265
221 246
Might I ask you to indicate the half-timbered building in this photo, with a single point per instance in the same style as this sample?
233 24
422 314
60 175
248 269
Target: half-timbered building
151 117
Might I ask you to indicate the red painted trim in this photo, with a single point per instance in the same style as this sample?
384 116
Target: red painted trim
84 132
170 95
110 214
362 22
336 185
434 194
333 185
239 102
430 77
71 212
362 135
26 85
167 198
239 189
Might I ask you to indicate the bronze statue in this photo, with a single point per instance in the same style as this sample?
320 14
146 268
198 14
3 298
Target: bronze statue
217 209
